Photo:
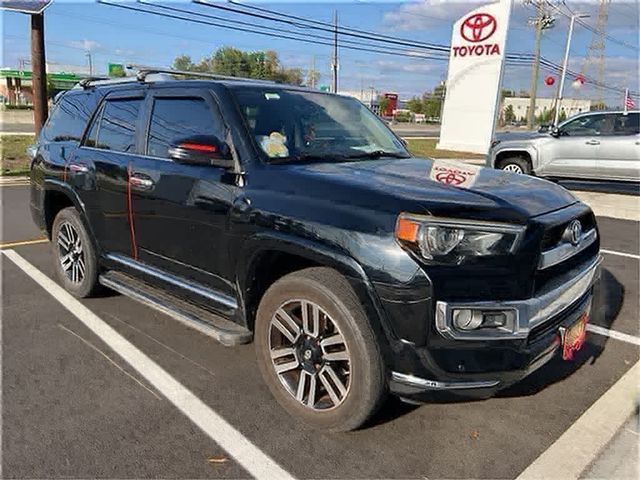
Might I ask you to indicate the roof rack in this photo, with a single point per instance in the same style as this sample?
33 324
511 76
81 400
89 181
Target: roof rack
143 73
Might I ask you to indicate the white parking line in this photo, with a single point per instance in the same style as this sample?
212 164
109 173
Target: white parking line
576 448
623 337
246 454
620 254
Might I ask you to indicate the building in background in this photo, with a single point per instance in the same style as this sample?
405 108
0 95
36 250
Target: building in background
520 106
15 85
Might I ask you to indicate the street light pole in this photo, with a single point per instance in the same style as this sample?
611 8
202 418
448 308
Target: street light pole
564 65
38 71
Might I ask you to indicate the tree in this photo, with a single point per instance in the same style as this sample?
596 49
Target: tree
384 105
596 106
183 62
415 105
563 116
117 71
233 62
509 115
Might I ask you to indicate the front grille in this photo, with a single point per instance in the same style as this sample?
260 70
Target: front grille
543 277
553 233
554 323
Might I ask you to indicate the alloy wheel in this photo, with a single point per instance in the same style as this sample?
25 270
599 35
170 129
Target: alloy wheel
70 253
310 355
512 167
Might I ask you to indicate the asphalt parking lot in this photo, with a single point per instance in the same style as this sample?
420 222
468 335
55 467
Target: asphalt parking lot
72 407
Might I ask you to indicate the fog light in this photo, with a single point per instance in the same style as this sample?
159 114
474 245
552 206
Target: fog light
466 319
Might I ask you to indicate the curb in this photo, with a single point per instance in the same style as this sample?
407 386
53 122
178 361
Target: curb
571 454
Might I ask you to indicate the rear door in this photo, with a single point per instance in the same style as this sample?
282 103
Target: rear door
107 150
619 151
181 210
573 153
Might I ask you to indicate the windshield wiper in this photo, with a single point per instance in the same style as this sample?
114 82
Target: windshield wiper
377 154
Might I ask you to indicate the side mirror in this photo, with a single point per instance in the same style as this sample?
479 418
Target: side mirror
555 132
202 150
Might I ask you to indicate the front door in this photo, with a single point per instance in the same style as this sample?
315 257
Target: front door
573 153
181 211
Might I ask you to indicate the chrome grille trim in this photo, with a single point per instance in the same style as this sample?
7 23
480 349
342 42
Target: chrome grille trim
565 250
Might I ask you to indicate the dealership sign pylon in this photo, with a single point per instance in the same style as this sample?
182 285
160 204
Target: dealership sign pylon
474 79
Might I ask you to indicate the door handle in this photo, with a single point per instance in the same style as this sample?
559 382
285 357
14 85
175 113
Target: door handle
141 182
78 168
593 142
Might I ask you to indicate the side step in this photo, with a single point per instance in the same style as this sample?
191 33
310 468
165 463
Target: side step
220 329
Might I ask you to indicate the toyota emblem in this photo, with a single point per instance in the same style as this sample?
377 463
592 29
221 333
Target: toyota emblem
573 232
478 27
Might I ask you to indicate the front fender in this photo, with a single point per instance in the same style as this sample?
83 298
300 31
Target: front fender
320 254
530 150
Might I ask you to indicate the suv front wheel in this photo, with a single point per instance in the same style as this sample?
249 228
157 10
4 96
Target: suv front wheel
516 165
317 352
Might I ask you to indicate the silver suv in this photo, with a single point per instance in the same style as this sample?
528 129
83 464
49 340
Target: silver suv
594 145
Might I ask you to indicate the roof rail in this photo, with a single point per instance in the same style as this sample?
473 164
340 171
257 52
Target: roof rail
143 71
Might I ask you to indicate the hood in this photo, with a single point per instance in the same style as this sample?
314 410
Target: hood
526 135
450 188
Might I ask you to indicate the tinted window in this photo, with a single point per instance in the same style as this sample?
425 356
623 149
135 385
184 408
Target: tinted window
69 117
117 130
92 134
628 124
589 125
173 119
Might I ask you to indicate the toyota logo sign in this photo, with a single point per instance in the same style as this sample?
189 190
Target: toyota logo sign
573 232
478 27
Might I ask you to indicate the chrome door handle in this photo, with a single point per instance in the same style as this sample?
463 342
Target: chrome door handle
78 168
143 183
592 142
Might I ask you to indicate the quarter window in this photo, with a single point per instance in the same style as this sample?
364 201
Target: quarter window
117 129
173 119
69 117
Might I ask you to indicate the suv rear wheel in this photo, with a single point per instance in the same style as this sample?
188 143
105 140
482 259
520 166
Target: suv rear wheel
516 165
317 351
75 260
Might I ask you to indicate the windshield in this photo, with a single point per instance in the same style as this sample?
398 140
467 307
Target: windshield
289 126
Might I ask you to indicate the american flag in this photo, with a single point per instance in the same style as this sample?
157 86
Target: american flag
628 101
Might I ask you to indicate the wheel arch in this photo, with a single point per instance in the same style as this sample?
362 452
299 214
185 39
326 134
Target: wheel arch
519 152
267 257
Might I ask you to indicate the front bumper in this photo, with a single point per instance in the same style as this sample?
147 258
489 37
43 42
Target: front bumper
486 364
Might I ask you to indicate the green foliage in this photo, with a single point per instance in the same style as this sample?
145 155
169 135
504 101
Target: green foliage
597 106
264 65
403 117
384 104
509 115
563 116
117 71
430 104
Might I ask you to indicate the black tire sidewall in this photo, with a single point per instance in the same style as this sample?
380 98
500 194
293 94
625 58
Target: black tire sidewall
366 387
89 283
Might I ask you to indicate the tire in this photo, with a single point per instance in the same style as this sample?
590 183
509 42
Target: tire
516 165
72 246
341 319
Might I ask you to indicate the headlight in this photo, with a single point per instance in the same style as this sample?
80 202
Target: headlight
451 241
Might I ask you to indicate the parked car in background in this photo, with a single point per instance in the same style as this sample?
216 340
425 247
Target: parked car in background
296 219
592 146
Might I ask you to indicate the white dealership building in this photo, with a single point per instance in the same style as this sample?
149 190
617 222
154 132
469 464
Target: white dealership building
571 106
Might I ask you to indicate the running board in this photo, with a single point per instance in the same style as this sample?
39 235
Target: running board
224 331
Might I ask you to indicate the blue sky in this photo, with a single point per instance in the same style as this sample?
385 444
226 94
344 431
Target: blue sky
116 35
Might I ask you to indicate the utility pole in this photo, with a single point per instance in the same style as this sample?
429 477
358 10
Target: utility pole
90 60
38 71
334 64
542 22
564 64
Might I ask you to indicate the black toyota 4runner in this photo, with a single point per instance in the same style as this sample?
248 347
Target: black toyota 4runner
254 211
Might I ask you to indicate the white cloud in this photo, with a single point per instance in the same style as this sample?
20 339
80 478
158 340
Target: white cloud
85 44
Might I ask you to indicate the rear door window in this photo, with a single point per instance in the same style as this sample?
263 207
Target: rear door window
117 128
177 118
628 124
69 117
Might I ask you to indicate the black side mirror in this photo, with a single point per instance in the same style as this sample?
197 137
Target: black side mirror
202 150
555 132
